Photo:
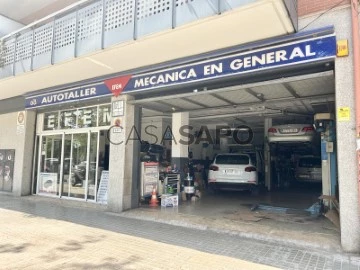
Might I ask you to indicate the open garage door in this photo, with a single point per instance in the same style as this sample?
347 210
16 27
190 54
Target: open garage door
258 106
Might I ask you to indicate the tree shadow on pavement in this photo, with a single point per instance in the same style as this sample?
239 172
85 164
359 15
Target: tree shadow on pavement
10 248
73 245
108 263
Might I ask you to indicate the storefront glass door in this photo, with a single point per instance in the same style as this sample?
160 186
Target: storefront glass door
73 151
67 165
79 160
94 170
50 165
70 164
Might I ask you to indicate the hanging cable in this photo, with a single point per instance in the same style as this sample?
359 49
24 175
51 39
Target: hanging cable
336 5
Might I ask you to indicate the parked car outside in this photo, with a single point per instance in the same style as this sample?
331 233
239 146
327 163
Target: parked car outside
233 171
291 133
308 169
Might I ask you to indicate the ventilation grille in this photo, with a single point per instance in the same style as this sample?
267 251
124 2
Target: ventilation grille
9 50
118 13
90 21
24 47
148 8
65 31
43 39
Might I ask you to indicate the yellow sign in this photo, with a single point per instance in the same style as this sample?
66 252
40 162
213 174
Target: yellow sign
342 48
343 114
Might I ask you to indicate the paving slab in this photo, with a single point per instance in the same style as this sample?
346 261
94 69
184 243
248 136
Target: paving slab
43 233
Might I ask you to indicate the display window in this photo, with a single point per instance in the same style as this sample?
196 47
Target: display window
73 152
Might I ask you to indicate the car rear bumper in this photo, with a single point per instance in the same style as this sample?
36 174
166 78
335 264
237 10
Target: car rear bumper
308 179
233 186
291 139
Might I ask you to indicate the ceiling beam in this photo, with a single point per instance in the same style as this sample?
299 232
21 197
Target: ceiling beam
259 96
223 99
151 107
240 120
268 102
195 102
292 91
170 106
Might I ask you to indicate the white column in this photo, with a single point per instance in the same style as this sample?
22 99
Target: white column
124 178
179 150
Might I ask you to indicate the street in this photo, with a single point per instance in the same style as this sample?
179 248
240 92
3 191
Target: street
42 233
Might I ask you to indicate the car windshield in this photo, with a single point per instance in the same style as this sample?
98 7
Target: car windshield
310 162
232 159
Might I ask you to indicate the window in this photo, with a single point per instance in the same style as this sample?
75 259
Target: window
232 159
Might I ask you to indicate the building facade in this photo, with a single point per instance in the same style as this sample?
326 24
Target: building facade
81 89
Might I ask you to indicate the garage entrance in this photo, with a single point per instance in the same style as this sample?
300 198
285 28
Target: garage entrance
282 198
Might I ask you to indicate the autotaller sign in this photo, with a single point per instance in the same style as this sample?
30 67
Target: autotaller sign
283 55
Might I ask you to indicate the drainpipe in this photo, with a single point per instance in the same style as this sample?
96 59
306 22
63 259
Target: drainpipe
356 53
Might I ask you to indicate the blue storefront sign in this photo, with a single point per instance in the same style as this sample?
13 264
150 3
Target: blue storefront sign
80 93
289 54
283 55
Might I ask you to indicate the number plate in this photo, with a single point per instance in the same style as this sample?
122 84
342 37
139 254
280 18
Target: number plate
289 130
229 171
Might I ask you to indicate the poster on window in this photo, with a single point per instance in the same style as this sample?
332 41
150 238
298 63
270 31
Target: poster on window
48 183
7 158
150 177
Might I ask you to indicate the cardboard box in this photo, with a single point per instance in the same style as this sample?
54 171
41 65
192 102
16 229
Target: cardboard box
169 200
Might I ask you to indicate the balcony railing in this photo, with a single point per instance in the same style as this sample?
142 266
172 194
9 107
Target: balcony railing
94 25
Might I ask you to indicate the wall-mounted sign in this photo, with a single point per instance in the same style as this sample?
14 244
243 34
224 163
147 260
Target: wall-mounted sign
96 116
20 123
80 93
289 54
116 85
283 55
342 48
117 126
118 108
343 114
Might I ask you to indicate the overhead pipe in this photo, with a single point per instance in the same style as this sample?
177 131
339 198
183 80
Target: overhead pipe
356 61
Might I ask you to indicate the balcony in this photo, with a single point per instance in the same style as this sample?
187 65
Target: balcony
103 37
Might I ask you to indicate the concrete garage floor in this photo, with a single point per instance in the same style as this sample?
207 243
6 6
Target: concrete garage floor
233 212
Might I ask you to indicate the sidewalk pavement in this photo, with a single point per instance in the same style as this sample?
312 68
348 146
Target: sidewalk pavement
44 233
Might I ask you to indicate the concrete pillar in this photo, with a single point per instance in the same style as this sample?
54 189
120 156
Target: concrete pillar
179 151
325 166
346 154
124 164
21 139
267 157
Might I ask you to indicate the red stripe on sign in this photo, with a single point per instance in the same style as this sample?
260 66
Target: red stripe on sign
117 85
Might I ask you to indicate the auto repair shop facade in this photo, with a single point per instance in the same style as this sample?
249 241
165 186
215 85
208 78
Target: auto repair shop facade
310 51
